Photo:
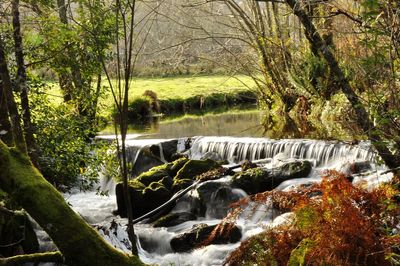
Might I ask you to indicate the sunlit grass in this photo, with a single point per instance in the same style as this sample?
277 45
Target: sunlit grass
178 87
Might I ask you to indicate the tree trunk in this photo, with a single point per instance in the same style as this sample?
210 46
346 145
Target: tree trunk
5 125
22 84
362 117
65 78
79 243
16 129
32 258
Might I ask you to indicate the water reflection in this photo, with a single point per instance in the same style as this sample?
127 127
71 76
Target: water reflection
245 123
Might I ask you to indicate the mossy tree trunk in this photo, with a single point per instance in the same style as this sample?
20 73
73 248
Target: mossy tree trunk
79 243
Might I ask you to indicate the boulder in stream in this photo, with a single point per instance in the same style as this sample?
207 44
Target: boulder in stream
156 186
358 167
215 156
165 150
203 234
186 175
144 161
144 198
256 180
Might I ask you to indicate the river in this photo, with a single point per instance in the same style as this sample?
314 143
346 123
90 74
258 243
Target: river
235 137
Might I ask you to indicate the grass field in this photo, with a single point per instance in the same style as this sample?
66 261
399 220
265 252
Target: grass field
187 86
178 87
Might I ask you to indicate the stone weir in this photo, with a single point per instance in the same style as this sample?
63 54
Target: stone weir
143 154
321 153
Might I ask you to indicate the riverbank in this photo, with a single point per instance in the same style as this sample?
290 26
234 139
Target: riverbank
176 95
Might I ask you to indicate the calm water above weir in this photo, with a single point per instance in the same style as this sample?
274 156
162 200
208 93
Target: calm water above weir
242 123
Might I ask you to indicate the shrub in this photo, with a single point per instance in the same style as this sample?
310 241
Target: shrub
140 108
67 156
340 225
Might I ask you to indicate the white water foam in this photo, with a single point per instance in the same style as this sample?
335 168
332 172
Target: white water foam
323 153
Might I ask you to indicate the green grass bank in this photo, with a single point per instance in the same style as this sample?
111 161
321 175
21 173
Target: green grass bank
177 95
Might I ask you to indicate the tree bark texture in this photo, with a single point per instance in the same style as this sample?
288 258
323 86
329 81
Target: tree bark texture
16 128
32 258
79 243
5 125
22 85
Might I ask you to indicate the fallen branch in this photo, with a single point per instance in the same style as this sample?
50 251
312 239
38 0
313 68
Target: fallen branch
33 258
172 200
6 211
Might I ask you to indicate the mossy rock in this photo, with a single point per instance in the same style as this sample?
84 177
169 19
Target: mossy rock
144 162
181 184
167 182
157 173
177 165
250 179
173 219
246 164
256 180
137 185
190 170
151 188
156 186
154 175
200 235
155 195
296 169
144 198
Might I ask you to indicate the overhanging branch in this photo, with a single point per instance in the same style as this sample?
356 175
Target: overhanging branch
32 258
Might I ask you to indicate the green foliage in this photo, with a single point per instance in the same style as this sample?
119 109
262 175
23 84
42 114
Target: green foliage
140 108
298 255
309 76
74 49
68 156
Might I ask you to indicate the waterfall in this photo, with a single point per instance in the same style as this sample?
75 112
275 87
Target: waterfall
322 153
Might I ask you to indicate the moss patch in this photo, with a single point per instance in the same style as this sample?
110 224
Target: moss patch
250 180
195 167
